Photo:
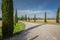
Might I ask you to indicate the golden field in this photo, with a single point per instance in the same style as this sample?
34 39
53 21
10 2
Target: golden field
42 21
37 21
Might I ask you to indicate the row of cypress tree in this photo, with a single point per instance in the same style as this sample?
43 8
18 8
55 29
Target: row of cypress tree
25 18
45 17
57 16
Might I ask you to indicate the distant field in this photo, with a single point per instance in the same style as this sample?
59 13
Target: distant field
42 21
37 21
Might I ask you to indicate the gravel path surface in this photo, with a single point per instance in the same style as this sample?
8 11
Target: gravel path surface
35 31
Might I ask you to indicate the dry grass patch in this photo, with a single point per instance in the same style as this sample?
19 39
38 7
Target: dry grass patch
42 21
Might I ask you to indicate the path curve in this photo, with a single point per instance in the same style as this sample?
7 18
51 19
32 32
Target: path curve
36 31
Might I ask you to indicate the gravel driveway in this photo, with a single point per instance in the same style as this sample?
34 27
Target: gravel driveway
35 31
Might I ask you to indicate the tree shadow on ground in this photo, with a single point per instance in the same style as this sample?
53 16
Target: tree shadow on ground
0 38
22 35
33 27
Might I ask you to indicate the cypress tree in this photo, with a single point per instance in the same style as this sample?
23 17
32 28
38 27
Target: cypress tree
16 18
28 18
57 15
25 17
45 19
22 18
34 17
7 18
0 5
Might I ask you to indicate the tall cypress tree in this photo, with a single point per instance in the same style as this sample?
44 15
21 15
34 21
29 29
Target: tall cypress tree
57 15
7 18
0 5
28 18
16 18
45 19
34 17
25 17
22 18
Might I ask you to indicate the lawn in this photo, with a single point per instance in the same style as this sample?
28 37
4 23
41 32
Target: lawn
18 28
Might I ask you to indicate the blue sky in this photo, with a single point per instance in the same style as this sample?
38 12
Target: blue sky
38 7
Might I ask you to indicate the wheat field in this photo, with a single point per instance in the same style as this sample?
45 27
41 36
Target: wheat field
42 21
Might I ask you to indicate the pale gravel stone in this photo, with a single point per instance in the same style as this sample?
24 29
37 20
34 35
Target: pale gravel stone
42 32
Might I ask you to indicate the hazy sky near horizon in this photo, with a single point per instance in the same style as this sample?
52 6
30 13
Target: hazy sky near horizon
38 7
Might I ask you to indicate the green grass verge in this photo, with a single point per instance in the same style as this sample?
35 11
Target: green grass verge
0 32
18 28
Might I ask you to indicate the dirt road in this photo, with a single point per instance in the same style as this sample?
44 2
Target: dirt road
39 32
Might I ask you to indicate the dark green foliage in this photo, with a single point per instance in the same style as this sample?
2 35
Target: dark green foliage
0 18
0 5
57 15
34 18
45 19
28 18
22 18
7 18
25 17
16 18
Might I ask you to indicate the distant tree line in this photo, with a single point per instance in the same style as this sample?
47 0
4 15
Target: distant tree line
25 18
0 18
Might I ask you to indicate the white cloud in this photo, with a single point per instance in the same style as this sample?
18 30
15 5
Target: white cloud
35 11
50 13
39 13
29 11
